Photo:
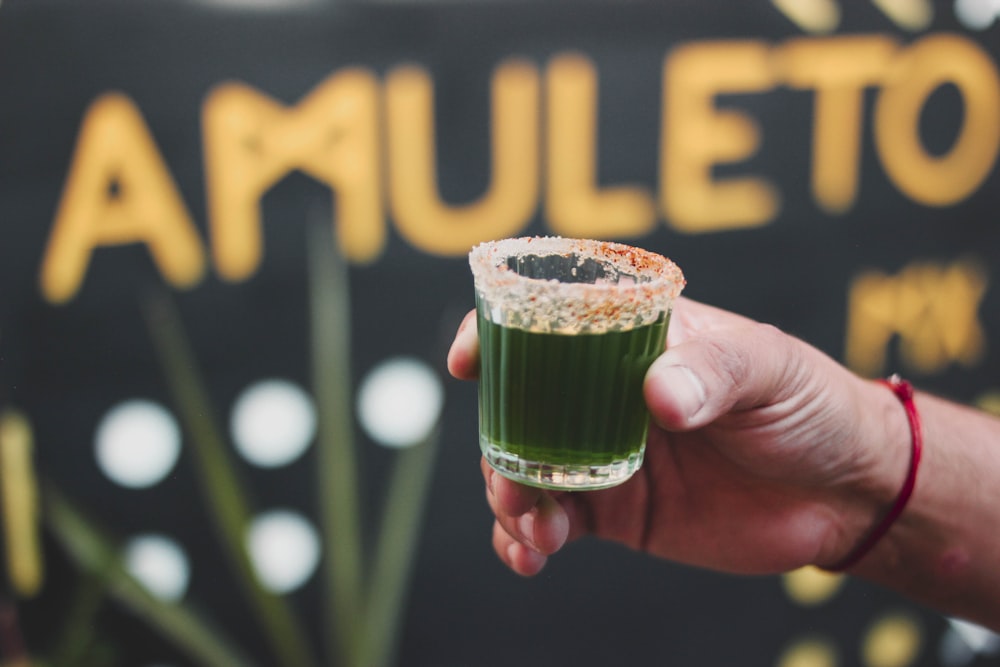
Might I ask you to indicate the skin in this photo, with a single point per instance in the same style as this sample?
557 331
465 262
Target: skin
766 455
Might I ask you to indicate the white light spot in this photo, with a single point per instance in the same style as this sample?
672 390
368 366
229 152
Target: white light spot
400 401
159 564
284 549
137 443
978 638
272 423
977 14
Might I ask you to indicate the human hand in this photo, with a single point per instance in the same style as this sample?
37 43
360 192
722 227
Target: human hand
764 455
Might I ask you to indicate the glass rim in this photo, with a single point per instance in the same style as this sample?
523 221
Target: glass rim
553 305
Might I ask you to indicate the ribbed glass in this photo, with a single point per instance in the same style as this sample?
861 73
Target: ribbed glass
565 410
558 408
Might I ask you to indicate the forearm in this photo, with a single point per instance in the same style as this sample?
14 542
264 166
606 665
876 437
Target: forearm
944 550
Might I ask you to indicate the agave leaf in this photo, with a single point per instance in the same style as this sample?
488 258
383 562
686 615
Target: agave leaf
98 556
396 549
337 467
224 494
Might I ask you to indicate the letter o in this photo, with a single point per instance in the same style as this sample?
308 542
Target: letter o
922 68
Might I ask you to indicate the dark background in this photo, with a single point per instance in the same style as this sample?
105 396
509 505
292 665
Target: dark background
65 365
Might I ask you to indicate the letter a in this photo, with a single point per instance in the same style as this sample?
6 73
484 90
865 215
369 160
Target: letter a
119 191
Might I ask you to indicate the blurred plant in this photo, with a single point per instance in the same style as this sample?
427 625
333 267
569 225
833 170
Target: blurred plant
225 495
364 603
365 606
97 557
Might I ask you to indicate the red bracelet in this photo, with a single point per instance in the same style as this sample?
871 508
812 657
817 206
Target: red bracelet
903 390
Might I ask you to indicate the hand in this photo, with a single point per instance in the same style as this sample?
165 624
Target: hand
764 455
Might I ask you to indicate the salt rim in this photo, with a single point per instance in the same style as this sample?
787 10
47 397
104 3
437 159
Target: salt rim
513 300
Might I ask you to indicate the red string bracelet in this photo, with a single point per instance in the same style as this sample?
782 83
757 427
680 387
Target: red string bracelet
904 391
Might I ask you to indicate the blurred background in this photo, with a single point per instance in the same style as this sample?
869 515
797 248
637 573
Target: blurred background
233 240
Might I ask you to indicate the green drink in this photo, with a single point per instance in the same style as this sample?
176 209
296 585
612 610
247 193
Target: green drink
567 330
556 414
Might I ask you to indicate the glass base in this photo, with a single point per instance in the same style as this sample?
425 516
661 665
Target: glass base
566 477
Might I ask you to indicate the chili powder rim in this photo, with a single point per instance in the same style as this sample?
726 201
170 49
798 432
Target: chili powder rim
510 299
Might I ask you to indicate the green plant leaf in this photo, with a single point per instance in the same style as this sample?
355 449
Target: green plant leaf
224 494
396 548
337 467
98 556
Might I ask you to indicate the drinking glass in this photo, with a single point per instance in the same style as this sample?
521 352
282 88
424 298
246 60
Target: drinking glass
567 330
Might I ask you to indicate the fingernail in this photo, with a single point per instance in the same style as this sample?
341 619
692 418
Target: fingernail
682 387
526 526
491 482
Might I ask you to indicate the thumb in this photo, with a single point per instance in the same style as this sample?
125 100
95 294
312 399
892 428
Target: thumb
740 367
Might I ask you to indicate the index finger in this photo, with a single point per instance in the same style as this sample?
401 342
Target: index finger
463 357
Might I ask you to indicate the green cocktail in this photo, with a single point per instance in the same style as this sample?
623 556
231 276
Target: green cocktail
568 329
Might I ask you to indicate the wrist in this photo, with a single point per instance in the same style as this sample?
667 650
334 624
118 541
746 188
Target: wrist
903 390
881 479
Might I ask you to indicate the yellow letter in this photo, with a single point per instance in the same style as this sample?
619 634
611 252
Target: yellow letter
923 67
252 142
838 69
574 205
696 136
19 493
118 191
932 308
510 201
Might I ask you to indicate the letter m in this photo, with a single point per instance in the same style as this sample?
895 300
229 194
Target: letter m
252 142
